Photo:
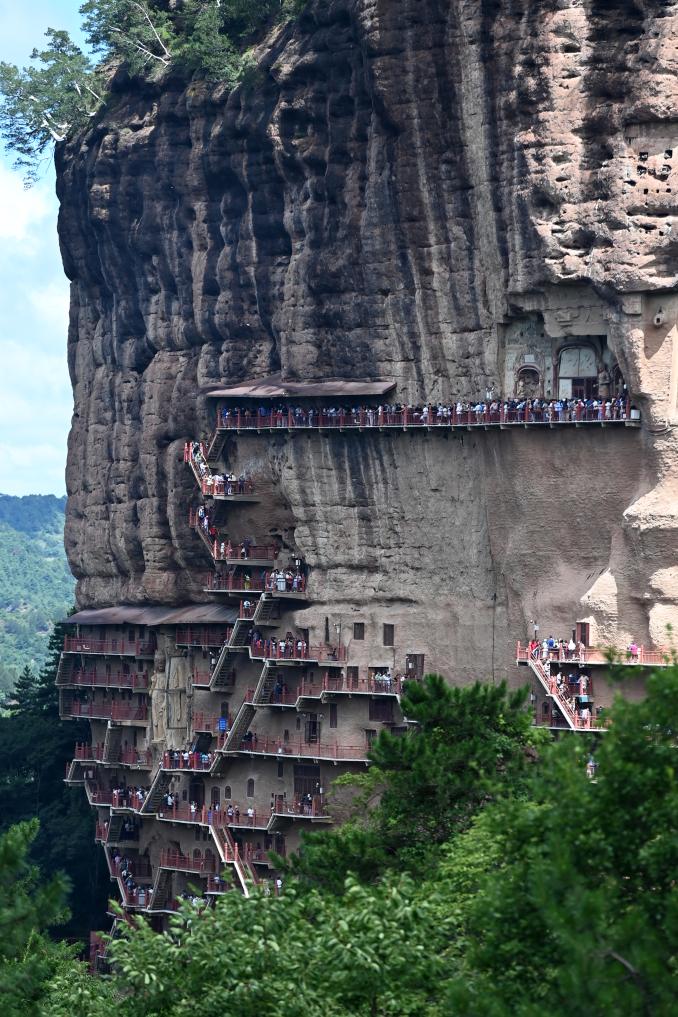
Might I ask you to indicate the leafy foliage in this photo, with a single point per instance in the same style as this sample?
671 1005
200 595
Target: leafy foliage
469 745
62 90
553 894
28 905
44 102
36 586
583 916
34 749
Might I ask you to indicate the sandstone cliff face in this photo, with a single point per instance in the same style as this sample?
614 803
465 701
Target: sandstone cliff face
406 183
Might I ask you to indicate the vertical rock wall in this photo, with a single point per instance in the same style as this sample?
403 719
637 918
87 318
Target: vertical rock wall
404 181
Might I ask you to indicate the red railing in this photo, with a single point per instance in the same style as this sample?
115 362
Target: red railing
375 686
210 724
135 757
266 584
101 833
105 711
137 896
211 487
175 860
187 760
88 752
217 884
267 649
126 799
302 805
223 550
203 636
128 756
119 647
138 867
593 655
315 750
203 679
119 680
239 584
427 416
311 690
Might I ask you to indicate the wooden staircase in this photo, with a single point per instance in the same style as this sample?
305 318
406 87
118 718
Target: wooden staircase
159 788
267 611
265 685
240 727
64 675
162 891
238 642
112 744
215 448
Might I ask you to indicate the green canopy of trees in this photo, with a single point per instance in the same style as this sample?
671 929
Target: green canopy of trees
35 746
537 890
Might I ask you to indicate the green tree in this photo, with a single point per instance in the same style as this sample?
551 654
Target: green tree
135 31
29 904
48 100
467 746
369 952
35 746
582 917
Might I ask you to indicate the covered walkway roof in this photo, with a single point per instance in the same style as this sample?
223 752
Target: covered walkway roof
275 387
127 614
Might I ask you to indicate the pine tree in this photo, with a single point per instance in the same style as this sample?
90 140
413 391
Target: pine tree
35 747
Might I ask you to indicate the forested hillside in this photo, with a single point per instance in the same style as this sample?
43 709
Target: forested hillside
36 586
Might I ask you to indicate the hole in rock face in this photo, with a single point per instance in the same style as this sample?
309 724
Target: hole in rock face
668 154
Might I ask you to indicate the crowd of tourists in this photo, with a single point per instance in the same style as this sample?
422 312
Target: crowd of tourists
175 759
287 648
216 483
126 797
557 649
491 409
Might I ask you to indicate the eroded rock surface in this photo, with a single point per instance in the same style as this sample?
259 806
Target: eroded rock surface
410 190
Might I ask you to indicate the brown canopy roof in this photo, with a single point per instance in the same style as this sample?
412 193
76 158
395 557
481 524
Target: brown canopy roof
274 387
127 614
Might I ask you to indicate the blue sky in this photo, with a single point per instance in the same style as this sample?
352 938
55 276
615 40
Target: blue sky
35 393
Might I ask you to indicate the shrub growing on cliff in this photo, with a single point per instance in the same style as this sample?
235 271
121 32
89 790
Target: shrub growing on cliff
62 89
48 100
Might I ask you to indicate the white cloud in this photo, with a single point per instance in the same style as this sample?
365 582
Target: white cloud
51 305
21 210
33 469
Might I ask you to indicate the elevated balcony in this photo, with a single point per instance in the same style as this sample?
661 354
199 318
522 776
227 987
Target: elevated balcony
203 637
92 679
299 749
216 485
210 724
281 653
183 760
124 800
370 685
240 585
115 710
592 656
183 863
138 759
426 418
118 646
581 719
218 885
311 808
